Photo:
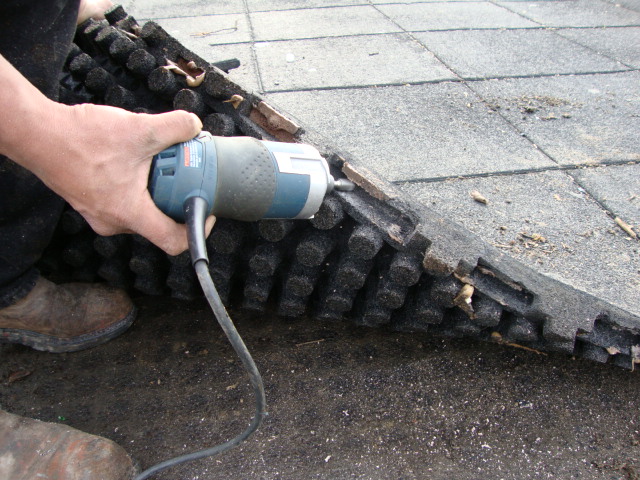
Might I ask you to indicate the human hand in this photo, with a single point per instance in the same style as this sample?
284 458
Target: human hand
98 158
93 9
95 157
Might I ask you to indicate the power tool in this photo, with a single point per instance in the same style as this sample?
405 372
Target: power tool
242 178
245 179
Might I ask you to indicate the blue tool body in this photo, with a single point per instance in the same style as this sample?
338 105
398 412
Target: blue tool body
241 178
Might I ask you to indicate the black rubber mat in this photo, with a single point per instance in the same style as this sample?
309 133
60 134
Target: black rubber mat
370 256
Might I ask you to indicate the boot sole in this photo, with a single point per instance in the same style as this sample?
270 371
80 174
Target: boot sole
53 344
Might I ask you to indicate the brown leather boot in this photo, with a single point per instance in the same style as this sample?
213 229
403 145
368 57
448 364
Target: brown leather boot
30 449
66 318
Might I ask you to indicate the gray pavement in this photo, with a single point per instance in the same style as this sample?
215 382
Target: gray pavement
534 104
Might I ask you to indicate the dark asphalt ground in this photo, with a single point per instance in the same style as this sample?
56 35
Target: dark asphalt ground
344 401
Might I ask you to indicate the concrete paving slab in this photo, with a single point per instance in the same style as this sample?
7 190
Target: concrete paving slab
630 4
246 74
615 187
271 5
502 53
445 16
574 119
347 61
320 22
382 2
198 33
548 222
579 13
154 9
413 132
621 44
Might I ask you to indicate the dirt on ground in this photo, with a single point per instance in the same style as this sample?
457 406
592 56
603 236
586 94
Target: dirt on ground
344 402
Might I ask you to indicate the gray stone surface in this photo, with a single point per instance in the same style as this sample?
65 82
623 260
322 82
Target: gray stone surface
630 4
498 53
201 32
621 44
347 61
246 74
615 187
578 13
574 119
548 222
320 22
414 132
448 15
271 5
154 9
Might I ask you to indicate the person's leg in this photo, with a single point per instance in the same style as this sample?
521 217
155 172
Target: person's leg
29 213
35 36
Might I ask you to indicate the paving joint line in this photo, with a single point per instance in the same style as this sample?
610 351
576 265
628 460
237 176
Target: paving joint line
363 87
591 49
254 56
528 171
411 32
457 79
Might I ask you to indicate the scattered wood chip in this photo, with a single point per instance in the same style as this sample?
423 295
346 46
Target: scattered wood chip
195 81
463 300
276 119
496 337
235 100
18 375
478 197
309 343
626 227
193 74
231 387
536 237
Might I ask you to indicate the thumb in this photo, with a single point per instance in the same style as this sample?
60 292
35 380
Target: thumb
174 127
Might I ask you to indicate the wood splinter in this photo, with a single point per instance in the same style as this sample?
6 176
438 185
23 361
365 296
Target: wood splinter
626 227
193 80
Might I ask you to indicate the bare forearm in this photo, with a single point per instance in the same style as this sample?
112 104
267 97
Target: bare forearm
26 113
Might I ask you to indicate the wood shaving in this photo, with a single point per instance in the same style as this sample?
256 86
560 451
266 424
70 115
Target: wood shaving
478 197
195 82
496 337
626 227
463 300
194 76
235 100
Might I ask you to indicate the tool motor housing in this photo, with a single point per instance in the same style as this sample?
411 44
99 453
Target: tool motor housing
241 178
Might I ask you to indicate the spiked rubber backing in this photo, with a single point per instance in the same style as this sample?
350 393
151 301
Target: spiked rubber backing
369 256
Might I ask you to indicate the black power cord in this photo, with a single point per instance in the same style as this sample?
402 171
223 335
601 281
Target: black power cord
196 209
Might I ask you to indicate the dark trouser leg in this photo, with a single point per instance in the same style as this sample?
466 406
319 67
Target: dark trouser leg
29 213
34 37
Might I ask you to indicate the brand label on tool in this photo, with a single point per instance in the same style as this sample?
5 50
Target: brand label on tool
192 157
